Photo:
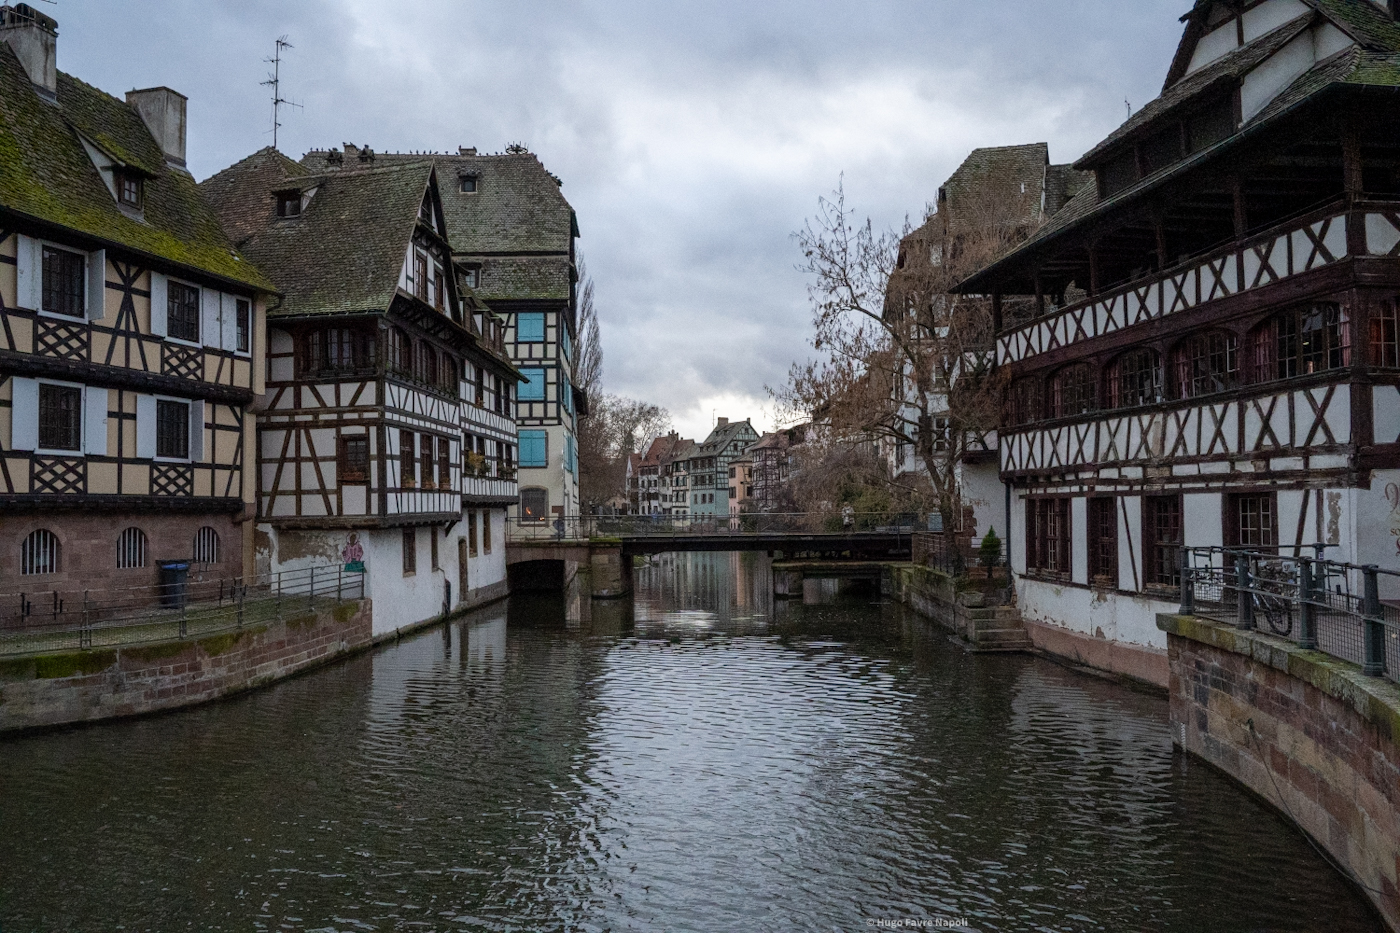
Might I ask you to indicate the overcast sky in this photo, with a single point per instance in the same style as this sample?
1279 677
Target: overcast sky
692 138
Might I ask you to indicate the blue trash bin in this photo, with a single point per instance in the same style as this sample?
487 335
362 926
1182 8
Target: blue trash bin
174 583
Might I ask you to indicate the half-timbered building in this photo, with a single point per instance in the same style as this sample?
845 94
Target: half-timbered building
514 236
129 327
1211 353
385 437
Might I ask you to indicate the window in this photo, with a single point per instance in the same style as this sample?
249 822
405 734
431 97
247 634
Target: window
444 464
529 327
532 390
60 417
433 547
425 363
64 282
352 460
448 373
471 276
408 466
480 388
1072 391
244 325
288 203
420 275
1162 540
467 184
131 549
338 350
1135 380
39 553
1103 542
1205 364
534 506
486 532
1251 521
439 297
1047 536
172 429
1301 342
501 395
206 546
534 449
410 551
1027 403
182 312
396 351
471 533
427 446
129 188
1385 342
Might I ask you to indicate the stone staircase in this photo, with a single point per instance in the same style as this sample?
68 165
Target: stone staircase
995 629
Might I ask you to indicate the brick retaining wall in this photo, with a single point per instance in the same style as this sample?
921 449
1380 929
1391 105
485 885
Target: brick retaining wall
85 686
1307 732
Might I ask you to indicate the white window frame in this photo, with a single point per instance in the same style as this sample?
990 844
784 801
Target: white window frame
84 445
94 279
194 453
165 313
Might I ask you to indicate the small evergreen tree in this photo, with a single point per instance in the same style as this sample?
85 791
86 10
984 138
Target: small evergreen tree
990 551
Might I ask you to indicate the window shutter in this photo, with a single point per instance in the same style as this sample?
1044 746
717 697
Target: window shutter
228 331
95 421
97 288
210 327
146 426
160 306
197 430
29 292
24 414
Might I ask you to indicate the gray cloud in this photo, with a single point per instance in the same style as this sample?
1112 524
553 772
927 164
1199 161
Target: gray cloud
692 138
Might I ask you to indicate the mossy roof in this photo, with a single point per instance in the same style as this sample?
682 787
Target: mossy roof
46 174
344 253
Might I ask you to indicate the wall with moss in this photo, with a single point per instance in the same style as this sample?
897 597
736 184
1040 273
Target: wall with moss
86 686
1307 732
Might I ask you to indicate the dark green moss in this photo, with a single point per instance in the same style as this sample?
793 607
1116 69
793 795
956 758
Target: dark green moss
78 664
150 654
304 621
17 669
216 645
345 612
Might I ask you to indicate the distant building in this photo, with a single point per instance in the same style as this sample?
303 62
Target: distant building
741 485
647 489
132 335
707 468
386 433
773 468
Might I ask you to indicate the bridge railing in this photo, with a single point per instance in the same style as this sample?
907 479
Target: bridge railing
1319 604
584 527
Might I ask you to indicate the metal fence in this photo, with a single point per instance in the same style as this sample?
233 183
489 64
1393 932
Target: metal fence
1318 604
35 622
582 527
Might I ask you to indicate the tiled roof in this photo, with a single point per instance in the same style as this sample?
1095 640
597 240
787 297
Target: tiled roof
521 278
344 253
46 173
1013 176
722 436
242 193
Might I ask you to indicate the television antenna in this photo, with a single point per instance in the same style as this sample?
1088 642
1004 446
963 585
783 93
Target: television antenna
274 81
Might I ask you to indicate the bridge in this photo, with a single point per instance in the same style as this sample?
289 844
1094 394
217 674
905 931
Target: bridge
547 556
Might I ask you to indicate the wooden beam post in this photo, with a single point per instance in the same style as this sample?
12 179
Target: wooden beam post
1039 295
1094 272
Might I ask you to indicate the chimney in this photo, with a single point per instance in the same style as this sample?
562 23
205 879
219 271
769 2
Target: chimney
163 112
34 39
466 150
722 422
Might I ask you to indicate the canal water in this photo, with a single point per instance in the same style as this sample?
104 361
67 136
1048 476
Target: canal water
699 759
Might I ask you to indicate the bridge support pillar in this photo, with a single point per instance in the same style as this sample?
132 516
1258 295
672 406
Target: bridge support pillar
610 573
787 584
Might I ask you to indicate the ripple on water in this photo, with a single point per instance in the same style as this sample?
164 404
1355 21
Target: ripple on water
709 762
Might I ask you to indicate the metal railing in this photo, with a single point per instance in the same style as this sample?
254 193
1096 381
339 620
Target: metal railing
36 622
583 527
1316 603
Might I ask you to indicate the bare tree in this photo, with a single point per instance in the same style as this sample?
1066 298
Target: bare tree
588 368
617 428
900 357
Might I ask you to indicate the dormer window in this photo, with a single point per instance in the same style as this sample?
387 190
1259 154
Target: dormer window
467 184
471 276
130 189
289 204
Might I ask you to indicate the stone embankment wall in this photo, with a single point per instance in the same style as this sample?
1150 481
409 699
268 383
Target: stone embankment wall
85 686
935 596
1307 732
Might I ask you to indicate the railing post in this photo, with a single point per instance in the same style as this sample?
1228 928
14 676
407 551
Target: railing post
1245 596
311 590
1374 623
1188 585
241 592
1307 615
184 617
339 579
85 638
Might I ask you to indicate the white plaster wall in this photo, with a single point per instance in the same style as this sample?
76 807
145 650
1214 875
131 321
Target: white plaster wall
1016 543
401 601
485 569
1214 45
1202 519
1130 543
1267 17
984 492
1079 550
1126 619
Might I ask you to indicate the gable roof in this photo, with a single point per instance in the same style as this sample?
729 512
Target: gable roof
1011 176
722 436
46 174
345 251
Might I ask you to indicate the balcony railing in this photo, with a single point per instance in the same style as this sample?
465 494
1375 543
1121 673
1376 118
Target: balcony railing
1317 604
584 527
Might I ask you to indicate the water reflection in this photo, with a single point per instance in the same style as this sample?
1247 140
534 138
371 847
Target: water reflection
699 758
